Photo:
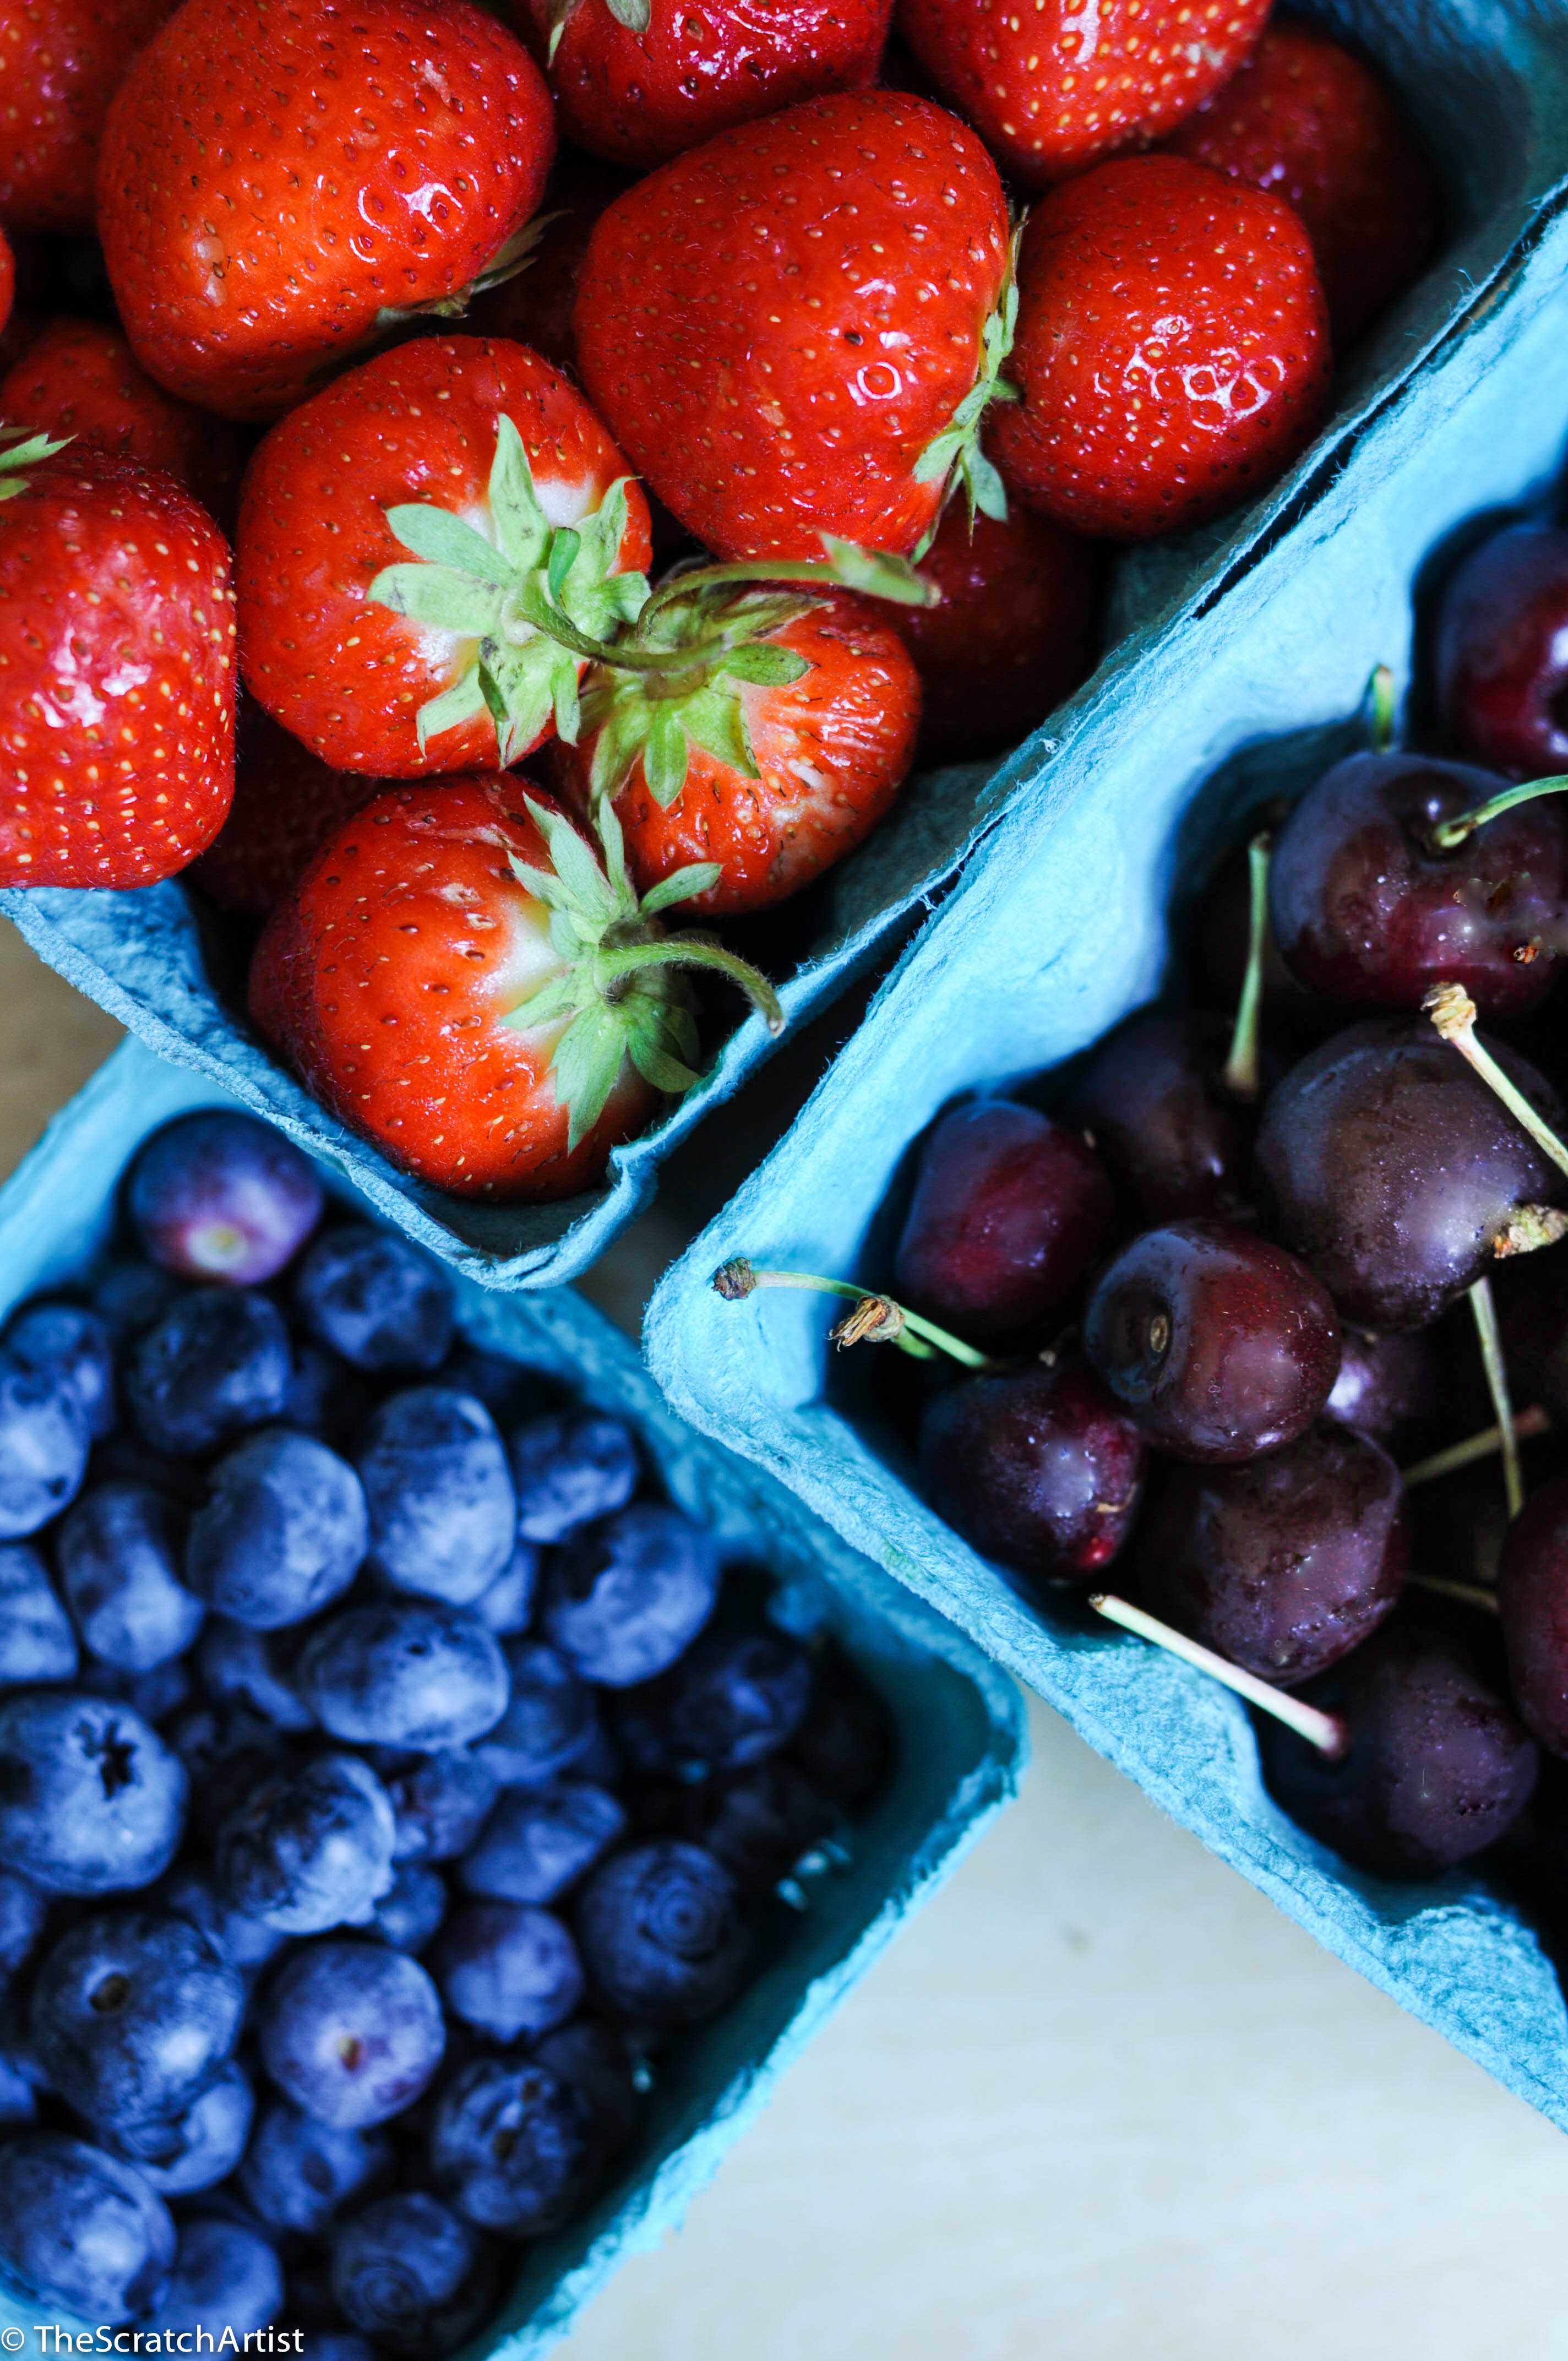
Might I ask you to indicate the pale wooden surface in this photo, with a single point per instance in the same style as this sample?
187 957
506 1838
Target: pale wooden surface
1099 2102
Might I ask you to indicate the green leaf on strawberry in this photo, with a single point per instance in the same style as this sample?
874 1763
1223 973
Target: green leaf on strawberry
15 460
954 457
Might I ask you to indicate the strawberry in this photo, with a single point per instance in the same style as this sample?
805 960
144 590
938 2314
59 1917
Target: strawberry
796 327
116 671
286 806
1015 631
638 80
1311 123
533 306
1172 349
8 284
280 179
1052 88
60 62
478 457
459 979
82 380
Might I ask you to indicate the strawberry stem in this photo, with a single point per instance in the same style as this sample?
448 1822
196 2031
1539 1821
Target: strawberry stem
877 1320
1449 834
1240 1076
1325 1730
691 951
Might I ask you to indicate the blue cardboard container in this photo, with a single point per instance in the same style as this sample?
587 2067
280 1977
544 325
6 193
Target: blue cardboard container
1485 84
961 1742
1057 929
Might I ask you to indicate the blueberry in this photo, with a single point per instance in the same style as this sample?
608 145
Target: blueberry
72 1344
441 1803
626 1595
550 1721
412 2275
133 2013
759 1821
281 1534
44 1443
155 1695
569 1469
227 1750
253 1672
226 2277
404 1672
410 1913
219 1195
18 2100
510 1389
37 1642
192 1894
732 1699
506 1969
327 1397
311 1849
662 1933
351 2031
298 2172
197 2150
120 1550
538 1841
23 1912
506 1607
594 2056
217 1362
847 1742
514 2147
375 1300
128 1295
443 1521
90 1799
81 2229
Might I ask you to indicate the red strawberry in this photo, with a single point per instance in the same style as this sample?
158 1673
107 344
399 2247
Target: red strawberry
1052 87
278 176
286 806
384 665
533 306
796 327
116 671
1172 349
61 62
458 979
8 284
1311 123
1016 630
80 379
638 80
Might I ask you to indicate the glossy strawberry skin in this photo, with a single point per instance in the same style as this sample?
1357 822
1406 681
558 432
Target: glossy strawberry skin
8 286
640 98
776 363
1172 349
275 172
286 806
1311 123
117 675
418 423
1017 629
60 62
384 977
80 379
1052 89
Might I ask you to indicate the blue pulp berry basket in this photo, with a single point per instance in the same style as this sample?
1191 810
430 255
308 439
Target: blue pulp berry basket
959 1725
1057 929
1486 82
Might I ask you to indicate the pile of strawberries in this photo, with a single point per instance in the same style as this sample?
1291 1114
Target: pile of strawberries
447 390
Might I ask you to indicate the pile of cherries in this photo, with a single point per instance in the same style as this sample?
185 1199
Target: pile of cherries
1258 1259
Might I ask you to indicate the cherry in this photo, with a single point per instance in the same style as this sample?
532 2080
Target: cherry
1220 1345
1533 1599
1395 1172
1010 1214
1215 956
1501 652
1150 1098
1384 1383
1284 1564
1535 1331
1367 907
1438 1765
1038 1468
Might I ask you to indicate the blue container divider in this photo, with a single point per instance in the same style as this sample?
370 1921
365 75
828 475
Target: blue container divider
1057 929
1486 82
961 1742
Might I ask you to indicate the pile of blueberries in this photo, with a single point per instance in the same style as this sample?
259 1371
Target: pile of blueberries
386 1774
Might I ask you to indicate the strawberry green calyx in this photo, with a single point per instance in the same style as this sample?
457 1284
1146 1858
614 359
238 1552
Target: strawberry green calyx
954 457
635 14
19 456
504 264
526 600
618 985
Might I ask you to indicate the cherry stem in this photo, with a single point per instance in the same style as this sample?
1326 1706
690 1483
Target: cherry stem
876 1319
1241 1077
1450 833
1527 1426
1469 1594
1453 1011
1325 1730
690 950
1380 696
1491 1345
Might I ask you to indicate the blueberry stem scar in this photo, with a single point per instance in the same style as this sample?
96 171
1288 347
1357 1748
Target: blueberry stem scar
1325 1730
1528 1424
1491 1345
1240 1066
1453 1011
876 1319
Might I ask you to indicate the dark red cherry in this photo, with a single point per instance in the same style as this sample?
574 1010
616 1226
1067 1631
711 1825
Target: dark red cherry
1219 1344
1384 1383
1532 1309
1438 1764
1010 1214
1038 1468
1394 1169
1285 1563
1368 908
1151 1099
1533 1599
1501 652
